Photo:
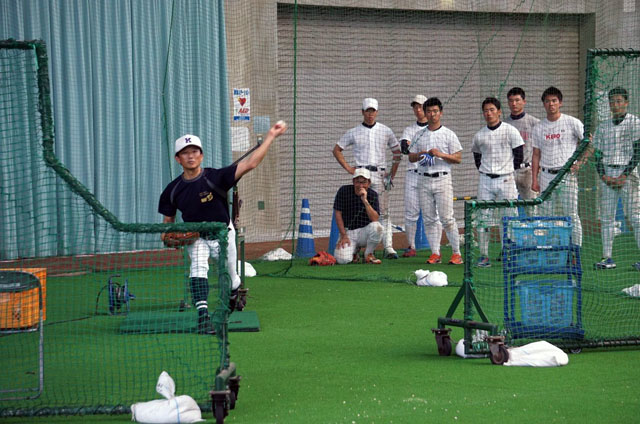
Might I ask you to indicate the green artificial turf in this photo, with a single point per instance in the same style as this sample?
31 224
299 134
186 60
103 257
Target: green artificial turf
337 351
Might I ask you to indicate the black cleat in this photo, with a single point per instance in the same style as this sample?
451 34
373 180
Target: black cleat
233 300
205 326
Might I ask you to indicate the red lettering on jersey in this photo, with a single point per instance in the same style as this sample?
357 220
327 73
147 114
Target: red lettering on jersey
551 136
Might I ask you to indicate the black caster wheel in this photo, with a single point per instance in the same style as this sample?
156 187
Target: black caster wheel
498 352
500 355
220 403
232 399
443 340
219 412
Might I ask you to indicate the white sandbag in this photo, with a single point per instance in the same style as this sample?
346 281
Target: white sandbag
249 270
278 254
172 410
460 352
633 291
431 278
537 354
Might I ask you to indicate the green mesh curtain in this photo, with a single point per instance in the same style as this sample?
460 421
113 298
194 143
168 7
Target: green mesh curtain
80 213
127 79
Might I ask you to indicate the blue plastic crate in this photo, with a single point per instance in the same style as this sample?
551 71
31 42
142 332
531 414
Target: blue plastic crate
544 235
546 303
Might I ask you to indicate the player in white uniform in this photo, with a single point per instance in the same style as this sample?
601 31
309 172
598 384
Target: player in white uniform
435 149
617 152
524 123
370 141
555 140
411 202
497 150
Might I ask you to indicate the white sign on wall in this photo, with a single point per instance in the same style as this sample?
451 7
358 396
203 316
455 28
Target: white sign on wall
241 104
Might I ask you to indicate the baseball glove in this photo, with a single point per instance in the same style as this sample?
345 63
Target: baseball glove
404 147
322 259
427 160
179 239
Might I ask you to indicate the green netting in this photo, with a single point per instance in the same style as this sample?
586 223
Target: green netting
310 64
89 363
554 276
325 59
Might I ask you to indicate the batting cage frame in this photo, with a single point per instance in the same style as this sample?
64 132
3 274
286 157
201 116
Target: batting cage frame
486 335
217 373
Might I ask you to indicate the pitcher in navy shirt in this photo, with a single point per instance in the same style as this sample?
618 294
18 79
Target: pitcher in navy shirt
200 194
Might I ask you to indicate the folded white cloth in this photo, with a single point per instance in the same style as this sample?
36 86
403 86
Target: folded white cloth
171 410
537 354
633 290
431 278
278 254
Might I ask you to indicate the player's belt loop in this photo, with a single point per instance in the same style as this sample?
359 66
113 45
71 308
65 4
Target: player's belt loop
525 165
550 171
492 176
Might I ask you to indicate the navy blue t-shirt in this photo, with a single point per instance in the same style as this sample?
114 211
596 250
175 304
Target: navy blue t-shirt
354 214
196 198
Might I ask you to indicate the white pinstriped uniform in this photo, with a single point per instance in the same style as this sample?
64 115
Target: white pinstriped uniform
369 149
616 144
557 141
525 126
436 193
411 200
496 147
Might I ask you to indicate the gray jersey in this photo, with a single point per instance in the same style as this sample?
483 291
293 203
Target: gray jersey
557 140
496 147
525 125
369 144
616 141
442 139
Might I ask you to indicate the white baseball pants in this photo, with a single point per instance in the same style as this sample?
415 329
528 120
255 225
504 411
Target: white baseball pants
200 251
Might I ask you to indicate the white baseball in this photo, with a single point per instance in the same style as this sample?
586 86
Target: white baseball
281 123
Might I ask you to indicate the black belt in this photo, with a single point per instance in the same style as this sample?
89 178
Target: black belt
492 176
616 166
371 168
550 171
434 175
525 165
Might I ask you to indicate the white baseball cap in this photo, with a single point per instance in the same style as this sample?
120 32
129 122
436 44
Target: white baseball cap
362 172
369 103
420 99
186 141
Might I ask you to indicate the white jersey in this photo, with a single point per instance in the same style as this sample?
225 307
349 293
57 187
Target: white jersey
616 141
557 140
442 139
496 147
525 125
369 144
408 134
